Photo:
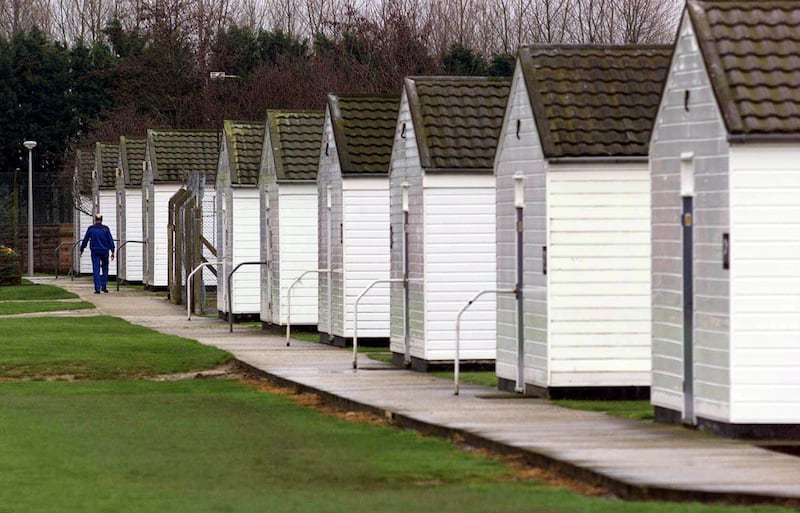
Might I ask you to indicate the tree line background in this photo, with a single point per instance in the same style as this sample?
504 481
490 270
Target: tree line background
73 72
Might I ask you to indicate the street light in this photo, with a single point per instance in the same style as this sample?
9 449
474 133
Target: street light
30 145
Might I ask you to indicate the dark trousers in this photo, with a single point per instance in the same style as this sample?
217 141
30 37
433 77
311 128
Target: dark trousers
100 263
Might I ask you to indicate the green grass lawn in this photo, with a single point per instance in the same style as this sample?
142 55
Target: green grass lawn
22 307
638 410
29 291
213 446
98 347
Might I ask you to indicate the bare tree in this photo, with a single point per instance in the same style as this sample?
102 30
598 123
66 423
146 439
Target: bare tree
23 15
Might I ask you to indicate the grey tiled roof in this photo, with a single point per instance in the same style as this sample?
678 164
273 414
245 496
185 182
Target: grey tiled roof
594 101
295 139
178 153
244 140
132 152
84 167
457 120
752 52
364 130
106 160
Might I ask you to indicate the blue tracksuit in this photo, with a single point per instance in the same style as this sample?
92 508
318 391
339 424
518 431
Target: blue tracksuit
101 243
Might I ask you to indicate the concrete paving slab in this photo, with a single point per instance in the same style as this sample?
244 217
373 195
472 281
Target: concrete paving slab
633 459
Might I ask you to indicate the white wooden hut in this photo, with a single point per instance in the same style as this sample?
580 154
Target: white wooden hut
238 218
104 188
443 218
574 149
129 213
84 206
170 157
288 198
726 209
353 185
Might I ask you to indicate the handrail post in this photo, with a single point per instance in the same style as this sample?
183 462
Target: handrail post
289 300
119 252
228 290
57 260
457 358
355 315
189 287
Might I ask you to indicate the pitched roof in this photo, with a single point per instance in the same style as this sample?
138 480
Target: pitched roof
752 52
177 153
131 154
106 160
594 101
84 167
363 127
457 120
295 140
244 140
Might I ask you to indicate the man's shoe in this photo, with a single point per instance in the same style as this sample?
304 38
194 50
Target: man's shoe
105 290
96 291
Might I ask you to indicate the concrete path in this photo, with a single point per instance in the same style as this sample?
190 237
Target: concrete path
633 459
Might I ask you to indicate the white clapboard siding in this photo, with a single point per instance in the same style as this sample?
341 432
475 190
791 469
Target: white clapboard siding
298 251
85 221
765 284
596 326
460 255
108 209
366 258
133 231
246 297
161 196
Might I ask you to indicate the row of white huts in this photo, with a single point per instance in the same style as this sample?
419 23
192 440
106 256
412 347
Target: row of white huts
633 210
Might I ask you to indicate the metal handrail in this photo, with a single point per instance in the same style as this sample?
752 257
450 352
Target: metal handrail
119 250
457 359
189 287
289 299
71 254
355 315
229 290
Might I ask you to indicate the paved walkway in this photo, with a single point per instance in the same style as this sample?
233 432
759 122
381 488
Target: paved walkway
633 459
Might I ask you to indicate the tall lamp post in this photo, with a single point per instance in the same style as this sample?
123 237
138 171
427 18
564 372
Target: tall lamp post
30 145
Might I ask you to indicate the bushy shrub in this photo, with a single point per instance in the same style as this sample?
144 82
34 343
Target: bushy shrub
10 266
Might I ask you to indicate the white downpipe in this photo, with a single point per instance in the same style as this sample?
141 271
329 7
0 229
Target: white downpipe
457 360
189 287
289 299
355 315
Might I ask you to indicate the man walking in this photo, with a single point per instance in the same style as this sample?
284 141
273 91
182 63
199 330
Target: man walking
101 243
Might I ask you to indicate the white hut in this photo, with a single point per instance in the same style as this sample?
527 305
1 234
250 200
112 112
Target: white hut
238 218
353 197
129 213
726 207
84 206
170 157
572 181
104 188
288 192
443 218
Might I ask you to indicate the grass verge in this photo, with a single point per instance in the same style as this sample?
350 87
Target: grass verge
637 410
210 446
30 291
23 307
98 347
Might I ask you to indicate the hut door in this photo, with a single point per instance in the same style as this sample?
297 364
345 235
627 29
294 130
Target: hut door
687 224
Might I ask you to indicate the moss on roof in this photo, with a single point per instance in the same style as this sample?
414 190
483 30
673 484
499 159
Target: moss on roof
594 101
295 139
244 140
457 120
752 53
363 127
177 153
106 160
131 156
84 168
